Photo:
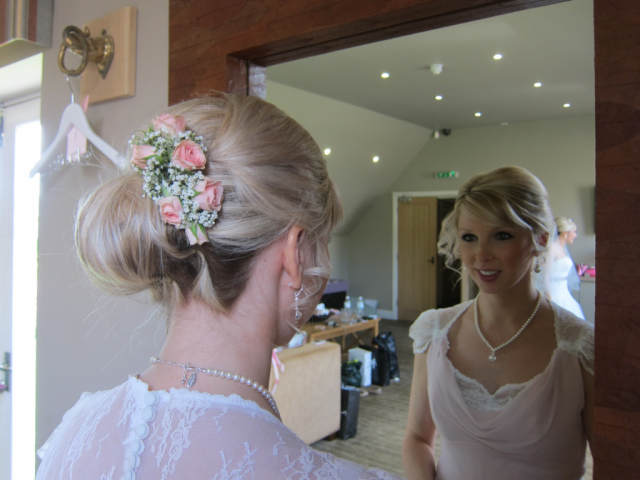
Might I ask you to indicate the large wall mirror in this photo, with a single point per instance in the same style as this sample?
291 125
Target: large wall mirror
516 89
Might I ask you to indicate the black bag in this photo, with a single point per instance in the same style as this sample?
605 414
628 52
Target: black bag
351 373
349 406
394 366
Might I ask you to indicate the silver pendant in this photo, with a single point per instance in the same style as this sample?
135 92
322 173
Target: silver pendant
192 380
492 357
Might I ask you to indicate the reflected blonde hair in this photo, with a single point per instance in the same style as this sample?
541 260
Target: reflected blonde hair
506 196
274 176
565 224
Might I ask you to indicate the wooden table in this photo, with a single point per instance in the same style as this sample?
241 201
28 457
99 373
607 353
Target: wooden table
341 330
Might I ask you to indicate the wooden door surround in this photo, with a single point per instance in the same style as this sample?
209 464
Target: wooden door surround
225 45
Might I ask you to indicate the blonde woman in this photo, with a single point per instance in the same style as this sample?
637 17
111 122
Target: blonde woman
507 378
224 217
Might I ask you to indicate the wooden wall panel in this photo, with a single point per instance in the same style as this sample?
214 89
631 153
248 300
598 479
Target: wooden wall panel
617 414
204 34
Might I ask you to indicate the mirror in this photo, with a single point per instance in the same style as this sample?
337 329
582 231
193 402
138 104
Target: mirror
491 112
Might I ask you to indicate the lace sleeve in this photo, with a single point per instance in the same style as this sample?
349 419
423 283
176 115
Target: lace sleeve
576 336
434 324
586 352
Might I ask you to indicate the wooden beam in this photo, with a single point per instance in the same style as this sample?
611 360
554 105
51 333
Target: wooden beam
204 35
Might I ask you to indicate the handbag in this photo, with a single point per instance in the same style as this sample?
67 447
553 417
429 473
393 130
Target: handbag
351 374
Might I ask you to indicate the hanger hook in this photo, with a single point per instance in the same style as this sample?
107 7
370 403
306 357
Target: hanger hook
73 97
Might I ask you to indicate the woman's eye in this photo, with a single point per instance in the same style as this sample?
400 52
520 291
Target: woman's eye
503 236
467 237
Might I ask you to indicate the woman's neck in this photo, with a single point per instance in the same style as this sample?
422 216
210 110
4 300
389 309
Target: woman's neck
508 307
239 342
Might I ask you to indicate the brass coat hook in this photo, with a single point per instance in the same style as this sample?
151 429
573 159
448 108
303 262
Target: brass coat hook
97 49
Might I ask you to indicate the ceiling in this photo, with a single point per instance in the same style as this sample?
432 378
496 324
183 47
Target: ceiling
552 45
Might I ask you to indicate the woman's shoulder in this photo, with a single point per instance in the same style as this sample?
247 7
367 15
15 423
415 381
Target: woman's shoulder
575 336
434 324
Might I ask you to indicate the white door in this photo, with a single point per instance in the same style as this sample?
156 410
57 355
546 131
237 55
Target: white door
19 205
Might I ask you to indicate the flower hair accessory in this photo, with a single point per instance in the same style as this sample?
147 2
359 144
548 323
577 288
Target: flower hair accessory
170 160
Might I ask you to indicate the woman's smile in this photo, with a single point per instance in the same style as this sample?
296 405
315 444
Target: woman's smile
497 257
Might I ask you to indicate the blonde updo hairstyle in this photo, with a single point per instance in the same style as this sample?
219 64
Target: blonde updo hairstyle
506 196
274 177
565 224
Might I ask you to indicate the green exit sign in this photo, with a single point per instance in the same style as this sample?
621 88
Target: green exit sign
451 174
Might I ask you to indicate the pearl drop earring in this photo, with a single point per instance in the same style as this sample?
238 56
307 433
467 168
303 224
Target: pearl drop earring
537 268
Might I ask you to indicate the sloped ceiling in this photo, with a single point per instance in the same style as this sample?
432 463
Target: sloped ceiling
343 101
355 135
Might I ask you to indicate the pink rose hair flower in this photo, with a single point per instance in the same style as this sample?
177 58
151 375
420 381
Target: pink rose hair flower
199 238
189 155
172 124
140 154
170 208
171 160
209 195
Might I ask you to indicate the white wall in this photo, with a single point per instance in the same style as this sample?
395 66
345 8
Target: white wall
560 152
87 342
339 252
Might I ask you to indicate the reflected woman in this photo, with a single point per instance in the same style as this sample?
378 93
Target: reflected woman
559 272
507 378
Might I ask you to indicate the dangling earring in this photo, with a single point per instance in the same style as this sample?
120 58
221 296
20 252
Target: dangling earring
537 268
296 298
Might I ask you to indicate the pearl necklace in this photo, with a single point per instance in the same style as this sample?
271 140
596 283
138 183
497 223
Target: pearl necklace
492 357
219 373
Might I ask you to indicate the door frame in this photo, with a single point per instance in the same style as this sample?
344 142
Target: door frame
393 314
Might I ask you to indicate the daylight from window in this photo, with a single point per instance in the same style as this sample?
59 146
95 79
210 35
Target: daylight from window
25 264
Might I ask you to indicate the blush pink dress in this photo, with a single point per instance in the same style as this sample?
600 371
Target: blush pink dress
525 431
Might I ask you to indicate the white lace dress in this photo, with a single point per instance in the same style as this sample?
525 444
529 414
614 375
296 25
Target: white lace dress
131 433
531 430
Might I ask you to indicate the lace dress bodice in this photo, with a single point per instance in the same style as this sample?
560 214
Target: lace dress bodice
131 433
527 431
569 336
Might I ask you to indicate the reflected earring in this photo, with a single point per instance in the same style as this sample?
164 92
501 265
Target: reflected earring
296 298
537 268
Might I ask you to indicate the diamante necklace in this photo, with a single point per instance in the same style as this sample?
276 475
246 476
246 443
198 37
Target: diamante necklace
218 373
492 357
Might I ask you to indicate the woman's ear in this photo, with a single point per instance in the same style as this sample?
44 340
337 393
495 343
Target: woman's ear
294 257
543 240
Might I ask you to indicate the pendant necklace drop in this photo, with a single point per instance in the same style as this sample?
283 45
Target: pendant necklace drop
193 371
492 357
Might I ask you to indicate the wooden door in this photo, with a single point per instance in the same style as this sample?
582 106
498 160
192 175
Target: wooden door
417 236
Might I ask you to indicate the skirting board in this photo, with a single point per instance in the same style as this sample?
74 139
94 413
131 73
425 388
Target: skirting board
387 314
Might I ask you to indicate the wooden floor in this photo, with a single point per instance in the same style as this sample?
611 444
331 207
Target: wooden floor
382 418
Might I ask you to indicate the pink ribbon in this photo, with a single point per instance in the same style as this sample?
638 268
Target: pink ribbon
277 366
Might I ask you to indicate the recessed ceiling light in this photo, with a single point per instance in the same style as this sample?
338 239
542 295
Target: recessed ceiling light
537 84
438 97
385 75
566 105
504 124
375 159
327 151
478 114
497 56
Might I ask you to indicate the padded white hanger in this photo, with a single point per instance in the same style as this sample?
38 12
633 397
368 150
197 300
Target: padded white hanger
74 116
